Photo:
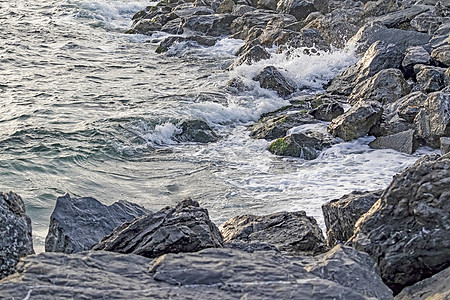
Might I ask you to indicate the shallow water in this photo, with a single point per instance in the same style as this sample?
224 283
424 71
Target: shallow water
88 110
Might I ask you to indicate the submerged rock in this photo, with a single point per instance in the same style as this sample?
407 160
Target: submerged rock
272 79
196 131
195 39
292 232
327 111
407 229
77 224
15 232
185 228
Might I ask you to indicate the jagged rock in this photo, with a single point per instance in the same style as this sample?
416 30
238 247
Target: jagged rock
352 269
15 231
378 57
341 214
186 10
185 228
300 9
442 55
241 9
445 145
305 143
292 232
251 247
440 36
391 125
213 25
433 120
327 6
271 78
253 55
415 55
430 20
400 17
373 32
196 131
409 106
174 26
386 86
435 287
327 112
407 229
357 121
403 142
77 224
196 39
237 84
268 4
309 38
429 78
225 7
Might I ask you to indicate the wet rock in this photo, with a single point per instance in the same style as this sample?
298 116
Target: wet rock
253 55
415 55
341 214
77 224
429 78
272 79
409 106
187 10
185 228
435 287
442 55
174 26
15 230
386 86
352 269
327 112
403 142
196 131
433 120
407 229
212 25
300 9
357 121
292 232
399 18
237 84
168 42
310 38
445 145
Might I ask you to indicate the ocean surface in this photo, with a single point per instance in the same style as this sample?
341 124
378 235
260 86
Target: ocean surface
88 110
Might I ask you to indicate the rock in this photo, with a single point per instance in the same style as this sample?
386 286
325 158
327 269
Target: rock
341 214
251 247
212 25
442 55
196 131
352 269
253 55
268 4
292 232
306 143
77 224
373 32
310 38
440 36
240 9
187 10
399 18
433 120
430 79
409 106
403 142
357 121
435 287
429 21
174 26
185 228
225 7
196 39
415 55
271 78
238 85
445 145
15 229
300 9
386 86
327 112
407 229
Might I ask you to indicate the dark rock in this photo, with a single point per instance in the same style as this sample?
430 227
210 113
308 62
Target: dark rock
429 78
196 131
251 247
15 230
391 125
415 55
357 121
174 26
237 84
240 9
185 228
327 112
213 25
403 142
430 20
77 224
386 86
225 7
300 9
268 4
196 39
407 230
254 54
445 145
442 55
271 78
409 106
187 10
341 214
435 287
310 38
292 232
400 17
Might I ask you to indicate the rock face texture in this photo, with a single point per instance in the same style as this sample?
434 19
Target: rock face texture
407 229
293 232
404 141
185 228
196 131
77 224
341 214
271 78
15 232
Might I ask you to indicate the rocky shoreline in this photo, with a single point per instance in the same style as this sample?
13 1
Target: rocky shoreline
385 244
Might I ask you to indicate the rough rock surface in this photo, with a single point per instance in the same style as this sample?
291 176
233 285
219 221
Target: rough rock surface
442 55
253 55
445 145
77 224
406 231
271 78
195 131
327 111
430 79
404 141
415 55
341 214
15 232
292 232
300 9
185 228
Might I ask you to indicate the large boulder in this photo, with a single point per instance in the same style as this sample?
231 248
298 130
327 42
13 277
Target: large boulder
252 55
184 228
445 145
193 40
406 231
292 232
213 25
429 78
197 131
404 141
77 224
300 9
415 55
272 79
357 121
341 214
442 55
15 232
327 111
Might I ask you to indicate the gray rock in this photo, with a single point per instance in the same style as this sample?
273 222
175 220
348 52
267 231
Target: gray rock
292 232
407 229
77 224
398 18
15 230
268 4
213 25
187 10
241 9
168 42
196 131
272 79
429 21
357 121
327 112
415 55
445 145
253 55
341 214
435 287
174 26
409 106
225 7
185 228
442 55
300 9
386 87
433 120
403 142
429 79
251 247
441 36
